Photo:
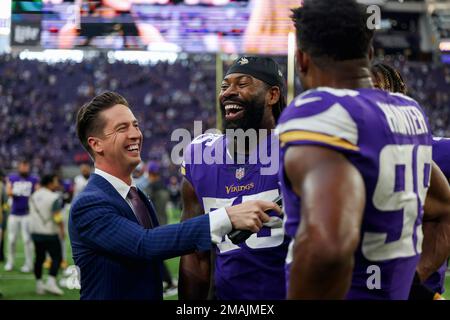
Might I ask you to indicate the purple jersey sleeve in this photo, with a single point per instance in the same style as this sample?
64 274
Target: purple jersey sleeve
311 119
441 154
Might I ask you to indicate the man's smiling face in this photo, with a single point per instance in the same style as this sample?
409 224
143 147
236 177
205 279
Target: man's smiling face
242 100
122 138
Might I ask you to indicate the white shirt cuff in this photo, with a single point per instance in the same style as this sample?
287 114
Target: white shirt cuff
219 224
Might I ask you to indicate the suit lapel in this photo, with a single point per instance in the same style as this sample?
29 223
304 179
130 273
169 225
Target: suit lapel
114 196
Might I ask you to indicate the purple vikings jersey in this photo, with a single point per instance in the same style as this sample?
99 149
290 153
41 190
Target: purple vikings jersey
22 188
387 138
253 270
441 155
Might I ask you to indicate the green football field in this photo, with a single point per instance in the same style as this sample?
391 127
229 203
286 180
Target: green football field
16 285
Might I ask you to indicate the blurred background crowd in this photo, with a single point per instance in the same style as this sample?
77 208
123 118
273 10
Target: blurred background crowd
39 101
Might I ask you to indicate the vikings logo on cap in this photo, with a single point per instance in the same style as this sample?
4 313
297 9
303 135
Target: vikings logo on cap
243 61
262 68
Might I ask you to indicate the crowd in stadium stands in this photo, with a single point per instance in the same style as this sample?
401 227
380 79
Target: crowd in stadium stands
38 105
39 101
428 84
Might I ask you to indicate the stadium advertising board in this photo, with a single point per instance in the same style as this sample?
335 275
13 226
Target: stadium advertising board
26 22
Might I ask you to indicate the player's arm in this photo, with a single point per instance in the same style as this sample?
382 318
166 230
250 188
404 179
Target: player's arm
436 225
332 195
195 268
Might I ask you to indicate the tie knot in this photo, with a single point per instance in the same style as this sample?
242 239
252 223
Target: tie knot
133 194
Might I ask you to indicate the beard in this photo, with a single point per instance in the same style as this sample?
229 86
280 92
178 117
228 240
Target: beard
24 174
252 117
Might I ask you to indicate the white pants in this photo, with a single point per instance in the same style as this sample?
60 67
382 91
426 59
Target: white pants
16 223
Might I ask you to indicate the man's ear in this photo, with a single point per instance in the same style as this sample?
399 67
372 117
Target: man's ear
302 61
274 95
95 144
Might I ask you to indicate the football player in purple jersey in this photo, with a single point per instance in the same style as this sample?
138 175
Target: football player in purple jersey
390 79
19 187
251 99
356 166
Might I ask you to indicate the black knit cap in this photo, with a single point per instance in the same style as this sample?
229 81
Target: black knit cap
262 68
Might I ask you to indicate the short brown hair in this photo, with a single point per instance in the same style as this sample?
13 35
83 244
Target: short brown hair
89 123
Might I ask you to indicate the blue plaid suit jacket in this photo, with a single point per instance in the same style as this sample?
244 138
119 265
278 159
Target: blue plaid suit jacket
117 257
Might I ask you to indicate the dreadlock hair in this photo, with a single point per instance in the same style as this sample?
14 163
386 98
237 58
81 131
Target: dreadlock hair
388 78
279 106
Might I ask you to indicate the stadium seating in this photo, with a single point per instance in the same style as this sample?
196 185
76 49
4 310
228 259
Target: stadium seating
38 103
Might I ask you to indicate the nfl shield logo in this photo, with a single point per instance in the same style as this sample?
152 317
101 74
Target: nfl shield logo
240 173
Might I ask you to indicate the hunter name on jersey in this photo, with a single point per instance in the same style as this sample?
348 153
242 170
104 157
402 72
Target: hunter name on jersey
404 120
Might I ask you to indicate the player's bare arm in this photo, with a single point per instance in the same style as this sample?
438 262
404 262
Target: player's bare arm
195 268
332 193
436 225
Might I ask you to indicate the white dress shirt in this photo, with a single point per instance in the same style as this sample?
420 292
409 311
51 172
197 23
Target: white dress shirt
219 222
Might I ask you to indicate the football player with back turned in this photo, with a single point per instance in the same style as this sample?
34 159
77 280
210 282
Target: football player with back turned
356 168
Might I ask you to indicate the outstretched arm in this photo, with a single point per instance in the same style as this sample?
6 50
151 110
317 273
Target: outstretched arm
332 194
96 223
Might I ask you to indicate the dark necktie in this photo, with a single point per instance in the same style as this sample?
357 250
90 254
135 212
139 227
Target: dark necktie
140 209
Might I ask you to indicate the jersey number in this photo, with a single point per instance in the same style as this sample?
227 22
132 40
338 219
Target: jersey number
276 236
403 180
22 188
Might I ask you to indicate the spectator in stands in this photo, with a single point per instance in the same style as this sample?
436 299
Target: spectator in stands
37 111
